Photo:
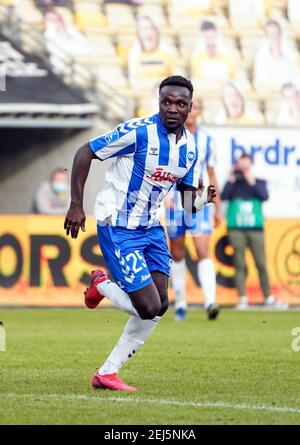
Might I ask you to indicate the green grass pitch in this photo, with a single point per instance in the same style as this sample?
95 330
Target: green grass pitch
240 369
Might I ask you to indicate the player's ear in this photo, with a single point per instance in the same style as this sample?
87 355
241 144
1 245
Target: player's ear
191 106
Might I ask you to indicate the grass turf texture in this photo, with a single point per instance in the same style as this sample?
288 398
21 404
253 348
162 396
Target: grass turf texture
243 358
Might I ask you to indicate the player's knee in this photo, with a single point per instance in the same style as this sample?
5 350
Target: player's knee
202 255
177 257
164 306
178 252
150 311
202 251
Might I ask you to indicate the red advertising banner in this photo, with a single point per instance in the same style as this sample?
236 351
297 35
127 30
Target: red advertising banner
41 266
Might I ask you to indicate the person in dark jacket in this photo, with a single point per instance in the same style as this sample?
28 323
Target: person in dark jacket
245 224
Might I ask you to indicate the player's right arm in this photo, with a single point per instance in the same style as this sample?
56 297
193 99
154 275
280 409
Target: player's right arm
119 142
75 217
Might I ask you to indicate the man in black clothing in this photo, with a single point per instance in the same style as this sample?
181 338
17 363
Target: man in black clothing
245 224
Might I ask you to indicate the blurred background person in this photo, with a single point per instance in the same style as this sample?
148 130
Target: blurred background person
149 60
192 8
52 196
293 13
289 110
43 4
147 104
274 64
211 62
248 13
190 13
234 110
62 39
126 2
199 226
245 224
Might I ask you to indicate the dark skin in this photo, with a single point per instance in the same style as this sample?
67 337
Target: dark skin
175 103
201 243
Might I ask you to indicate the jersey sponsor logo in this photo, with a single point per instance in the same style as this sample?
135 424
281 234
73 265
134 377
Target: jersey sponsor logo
161 175
191 155
112 137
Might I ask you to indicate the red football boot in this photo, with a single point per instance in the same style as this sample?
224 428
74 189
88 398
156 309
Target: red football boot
92 296
110 381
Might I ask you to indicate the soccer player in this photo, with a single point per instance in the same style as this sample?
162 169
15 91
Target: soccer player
199 225
151 155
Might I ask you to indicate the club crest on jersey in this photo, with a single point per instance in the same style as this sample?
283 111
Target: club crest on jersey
161 175
112 137
191 156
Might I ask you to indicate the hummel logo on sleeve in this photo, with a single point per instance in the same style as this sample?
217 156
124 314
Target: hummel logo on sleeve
153 151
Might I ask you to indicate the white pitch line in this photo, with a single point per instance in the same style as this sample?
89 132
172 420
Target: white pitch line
237 406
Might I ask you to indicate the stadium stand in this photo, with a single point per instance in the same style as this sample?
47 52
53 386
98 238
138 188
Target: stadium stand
115 52
235 110
32 96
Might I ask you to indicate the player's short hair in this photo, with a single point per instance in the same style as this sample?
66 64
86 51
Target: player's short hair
178 81
207 25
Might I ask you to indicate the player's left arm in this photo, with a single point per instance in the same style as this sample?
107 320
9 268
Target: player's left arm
213 180
211 162
193 196
193 199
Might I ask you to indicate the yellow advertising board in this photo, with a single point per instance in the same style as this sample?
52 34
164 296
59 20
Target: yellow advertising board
41 266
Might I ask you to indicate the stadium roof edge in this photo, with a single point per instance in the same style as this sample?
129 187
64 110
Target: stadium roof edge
45 122
30 108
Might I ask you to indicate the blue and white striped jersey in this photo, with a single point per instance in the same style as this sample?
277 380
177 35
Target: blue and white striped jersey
207 158
148 163
206 151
